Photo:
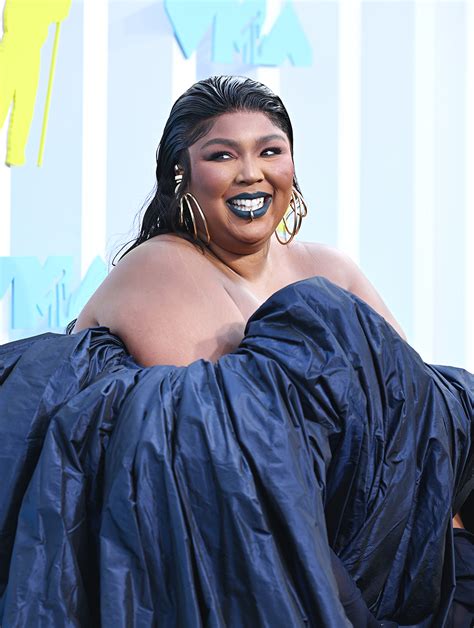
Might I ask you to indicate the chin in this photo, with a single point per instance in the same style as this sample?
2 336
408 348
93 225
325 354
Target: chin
254 239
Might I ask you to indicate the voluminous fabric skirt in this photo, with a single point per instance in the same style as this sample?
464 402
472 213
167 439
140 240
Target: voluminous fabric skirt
222 494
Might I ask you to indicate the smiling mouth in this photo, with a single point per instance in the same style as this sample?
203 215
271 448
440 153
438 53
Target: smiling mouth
249 205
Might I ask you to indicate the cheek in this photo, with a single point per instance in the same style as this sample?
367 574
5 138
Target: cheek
282 174
209 180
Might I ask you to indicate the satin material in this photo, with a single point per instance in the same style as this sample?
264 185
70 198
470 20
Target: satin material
211 495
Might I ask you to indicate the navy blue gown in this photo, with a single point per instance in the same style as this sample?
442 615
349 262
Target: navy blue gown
308 476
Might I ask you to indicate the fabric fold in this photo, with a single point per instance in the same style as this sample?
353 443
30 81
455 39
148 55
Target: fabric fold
215 494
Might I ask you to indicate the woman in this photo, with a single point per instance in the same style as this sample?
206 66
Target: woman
225 181
225 168
227 147
213 493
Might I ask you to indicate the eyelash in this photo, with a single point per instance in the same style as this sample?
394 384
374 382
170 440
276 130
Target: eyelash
275 150
215 156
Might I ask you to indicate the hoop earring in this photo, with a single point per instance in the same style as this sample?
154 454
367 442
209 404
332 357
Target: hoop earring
299 209
185 202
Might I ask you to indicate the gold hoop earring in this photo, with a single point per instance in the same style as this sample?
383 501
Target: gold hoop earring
299 209
185 201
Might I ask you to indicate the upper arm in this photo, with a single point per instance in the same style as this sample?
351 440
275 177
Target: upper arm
163 307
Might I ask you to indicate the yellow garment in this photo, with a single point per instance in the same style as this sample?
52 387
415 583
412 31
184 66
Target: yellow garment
25 26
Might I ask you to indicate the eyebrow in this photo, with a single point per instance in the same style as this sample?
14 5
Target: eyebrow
232 144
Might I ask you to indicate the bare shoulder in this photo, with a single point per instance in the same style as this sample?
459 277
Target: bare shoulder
341 269
156 265
157 299
329 262
152 267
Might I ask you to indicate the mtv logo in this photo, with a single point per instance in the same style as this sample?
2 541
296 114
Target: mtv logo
236 27
41 294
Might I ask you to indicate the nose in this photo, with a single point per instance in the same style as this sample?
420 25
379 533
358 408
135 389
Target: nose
249 172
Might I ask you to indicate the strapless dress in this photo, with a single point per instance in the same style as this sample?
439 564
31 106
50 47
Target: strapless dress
222 494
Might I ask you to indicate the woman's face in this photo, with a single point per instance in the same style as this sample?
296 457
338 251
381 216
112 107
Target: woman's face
242 176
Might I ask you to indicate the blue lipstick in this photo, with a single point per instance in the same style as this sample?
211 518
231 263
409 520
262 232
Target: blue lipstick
248 213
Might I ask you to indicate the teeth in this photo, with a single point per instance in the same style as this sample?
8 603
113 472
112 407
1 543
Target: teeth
249 204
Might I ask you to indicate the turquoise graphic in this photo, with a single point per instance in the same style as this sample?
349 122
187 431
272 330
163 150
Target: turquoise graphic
41 294
236 28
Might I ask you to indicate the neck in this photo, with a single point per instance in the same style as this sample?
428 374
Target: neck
252 267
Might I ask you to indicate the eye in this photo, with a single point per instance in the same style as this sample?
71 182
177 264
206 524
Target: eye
220 156
269 152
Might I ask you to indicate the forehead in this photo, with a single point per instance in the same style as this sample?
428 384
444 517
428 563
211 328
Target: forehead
242 126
